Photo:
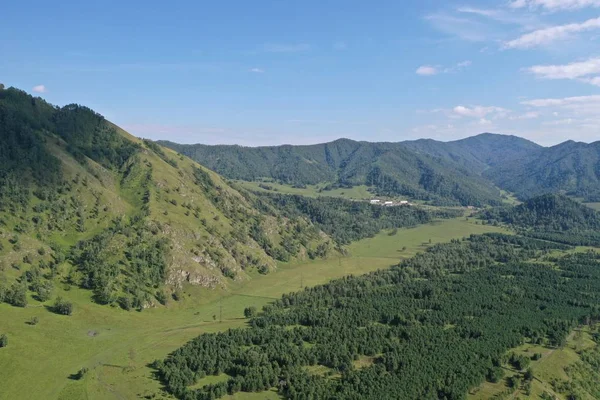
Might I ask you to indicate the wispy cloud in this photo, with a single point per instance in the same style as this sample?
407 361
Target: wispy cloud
525 20
430 70
286 48
480 111
568 102
555 5
257 70
527 115
462 28
427 70
548 35
583 71
39 89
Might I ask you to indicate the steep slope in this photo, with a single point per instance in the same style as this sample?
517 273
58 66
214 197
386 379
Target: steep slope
134 222
392 168
570 167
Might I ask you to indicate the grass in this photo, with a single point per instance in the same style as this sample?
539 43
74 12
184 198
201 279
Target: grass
117 345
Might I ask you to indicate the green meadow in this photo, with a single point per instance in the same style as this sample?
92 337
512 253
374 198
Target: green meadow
117 346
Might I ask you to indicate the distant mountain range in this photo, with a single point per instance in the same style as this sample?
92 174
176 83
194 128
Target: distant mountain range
444 173
467 171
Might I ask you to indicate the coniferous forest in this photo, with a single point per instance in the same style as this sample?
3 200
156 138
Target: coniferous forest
431 327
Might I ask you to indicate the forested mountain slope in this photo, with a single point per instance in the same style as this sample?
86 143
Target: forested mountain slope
443 173
477 153
82 201
570 167
552 217
128 219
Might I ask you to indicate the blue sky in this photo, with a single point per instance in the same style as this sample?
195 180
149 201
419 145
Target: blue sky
273 72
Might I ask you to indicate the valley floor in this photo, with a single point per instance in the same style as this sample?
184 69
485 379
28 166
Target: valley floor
117 345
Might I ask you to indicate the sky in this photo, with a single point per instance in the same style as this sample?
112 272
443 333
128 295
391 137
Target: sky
274 72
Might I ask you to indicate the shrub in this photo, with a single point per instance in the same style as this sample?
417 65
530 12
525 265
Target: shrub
249 312
62 306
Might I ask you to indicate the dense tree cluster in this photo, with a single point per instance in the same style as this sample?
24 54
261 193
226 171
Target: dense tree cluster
432 327
346 220
128 245
550 217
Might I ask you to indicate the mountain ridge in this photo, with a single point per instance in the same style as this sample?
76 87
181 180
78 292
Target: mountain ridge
465 171
440 172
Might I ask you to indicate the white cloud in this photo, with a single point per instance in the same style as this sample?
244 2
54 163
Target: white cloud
480 112
526 21
478 11
565 101
548 35
427 70
39 89
569 107
566 121
527 115
257 70
581 70
555 5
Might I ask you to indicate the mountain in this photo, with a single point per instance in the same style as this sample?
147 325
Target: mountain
551 217
477 153
83 200
441 172
570 167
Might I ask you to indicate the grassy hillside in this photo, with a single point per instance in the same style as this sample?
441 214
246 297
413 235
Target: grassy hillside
84 203
390 168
